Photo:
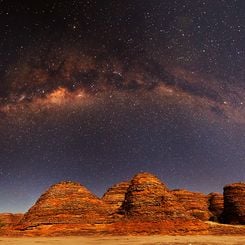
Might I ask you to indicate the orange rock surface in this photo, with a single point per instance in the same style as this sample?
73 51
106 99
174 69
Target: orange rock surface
10 219
216 205
142 206
148 199
234 204
195 203
66 203
114 197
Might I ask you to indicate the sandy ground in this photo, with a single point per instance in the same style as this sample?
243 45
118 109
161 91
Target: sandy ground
148 240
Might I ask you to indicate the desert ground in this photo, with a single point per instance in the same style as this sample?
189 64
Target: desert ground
145 240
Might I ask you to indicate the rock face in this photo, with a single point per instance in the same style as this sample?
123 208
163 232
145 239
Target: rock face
216 205
148 199
142 206
66 203
234 204
114 197
195 203
7 219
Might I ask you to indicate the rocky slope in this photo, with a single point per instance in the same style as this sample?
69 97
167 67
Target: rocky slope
143 206
66 203
195 203
147 198
234 204
114 196
7 219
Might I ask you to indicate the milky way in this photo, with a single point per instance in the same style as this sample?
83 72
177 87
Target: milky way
95 92
76 78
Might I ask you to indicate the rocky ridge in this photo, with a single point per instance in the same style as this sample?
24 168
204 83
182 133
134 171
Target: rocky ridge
143 205
7 219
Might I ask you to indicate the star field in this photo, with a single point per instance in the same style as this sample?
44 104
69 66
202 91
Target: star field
96 91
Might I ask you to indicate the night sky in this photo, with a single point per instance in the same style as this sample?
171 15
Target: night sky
97 91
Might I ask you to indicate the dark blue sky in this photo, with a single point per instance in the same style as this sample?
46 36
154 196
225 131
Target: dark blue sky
97 91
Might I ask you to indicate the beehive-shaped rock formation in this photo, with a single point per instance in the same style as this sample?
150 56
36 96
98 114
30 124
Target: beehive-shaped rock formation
147 198
66 203
234 204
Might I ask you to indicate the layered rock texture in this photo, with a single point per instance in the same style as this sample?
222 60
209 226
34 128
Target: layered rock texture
66 203
234 204
7 219
143 205
195 203
115 196
147 198
216 205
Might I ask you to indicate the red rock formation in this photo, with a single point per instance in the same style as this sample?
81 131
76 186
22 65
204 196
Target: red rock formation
148 207
66 203
114 197
195 203
216 205
142 206
7 219
234 204
148 199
